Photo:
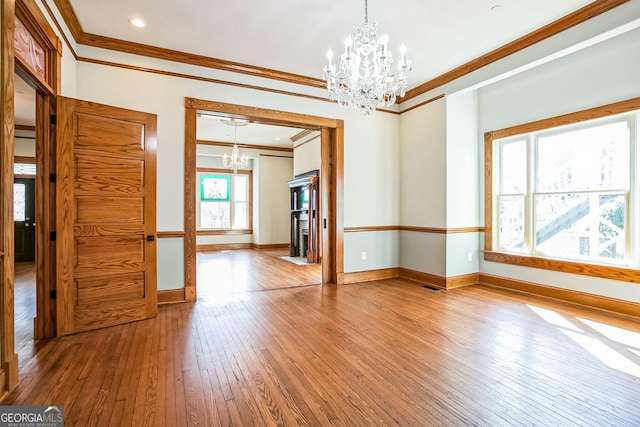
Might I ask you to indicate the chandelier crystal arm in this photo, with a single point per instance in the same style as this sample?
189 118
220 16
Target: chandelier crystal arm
235 161
366 78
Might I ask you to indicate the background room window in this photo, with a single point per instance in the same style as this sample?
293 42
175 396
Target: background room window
224 201
568 192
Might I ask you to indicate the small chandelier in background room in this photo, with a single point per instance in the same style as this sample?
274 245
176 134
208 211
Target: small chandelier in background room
366 77
235 161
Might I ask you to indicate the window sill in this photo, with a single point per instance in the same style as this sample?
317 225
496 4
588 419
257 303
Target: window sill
222 232
623 274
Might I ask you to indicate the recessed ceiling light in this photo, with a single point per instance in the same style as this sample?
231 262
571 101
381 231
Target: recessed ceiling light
137 22
277 139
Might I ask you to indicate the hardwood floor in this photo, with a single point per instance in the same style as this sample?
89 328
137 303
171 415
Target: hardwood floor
379 353
25 311
228 272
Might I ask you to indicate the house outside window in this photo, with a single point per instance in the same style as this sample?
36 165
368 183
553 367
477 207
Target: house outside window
224 200
565 192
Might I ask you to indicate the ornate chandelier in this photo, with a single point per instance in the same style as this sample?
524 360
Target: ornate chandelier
235 161
366 77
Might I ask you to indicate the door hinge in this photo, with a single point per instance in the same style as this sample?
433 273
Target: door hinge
150 238
52 294
52 236
53 119
52 177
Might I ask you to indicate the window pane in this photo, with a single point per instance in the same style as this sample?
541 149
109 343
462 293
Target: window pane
214 187
240 188
513 178
19 202
215 215
24 169
511 223
580 225
240 216
594 158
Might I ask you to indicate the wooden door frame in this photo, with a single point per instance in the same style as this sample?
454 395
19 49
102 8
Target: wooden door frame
331 181
37 24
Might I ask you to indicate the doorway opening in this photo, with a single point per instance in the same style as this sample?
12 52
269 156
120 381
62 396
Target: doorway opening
331 134
24 217
250 220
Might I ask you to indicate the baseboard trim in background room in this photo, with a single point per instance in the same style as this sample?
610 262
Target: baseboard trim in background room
234 246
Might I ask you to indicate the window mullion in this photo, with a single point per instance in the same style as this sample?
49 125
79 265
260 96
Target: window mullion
529 233
232 202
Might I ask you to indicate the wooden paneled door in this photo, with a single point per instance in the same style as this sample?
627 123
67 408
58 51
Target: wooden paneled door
105 216
24 220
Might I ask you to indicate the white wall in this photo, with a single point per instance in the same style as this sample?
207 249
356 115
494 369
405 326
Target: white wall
307 157
423 174
462 205
599 75
274 201
371 158
423 187
24 147
270 194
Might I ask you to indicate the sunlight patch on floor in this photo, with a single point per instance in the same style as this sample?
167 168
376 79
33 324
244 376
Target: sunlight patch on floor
596 347
619 335
605 354
553 318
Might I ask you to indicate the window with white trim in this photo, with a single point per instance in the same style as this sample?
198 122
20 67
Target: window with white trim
224 201
569 192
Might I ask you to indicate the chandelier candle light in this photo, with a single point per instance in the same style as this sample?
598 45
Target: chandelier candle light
366 77
235 161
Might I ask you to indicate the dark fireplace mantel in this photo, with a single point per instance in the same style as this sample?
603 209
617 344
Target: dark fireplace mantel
305 216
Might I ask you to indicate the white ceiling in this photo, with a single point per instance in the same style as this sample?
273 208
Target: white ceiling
210 128
294 36
24 103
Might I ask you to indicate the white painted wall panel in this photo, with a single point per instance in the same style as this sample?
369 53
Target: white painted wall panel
170 258
424 252
380 248
307 157
461 246
423 166
463 150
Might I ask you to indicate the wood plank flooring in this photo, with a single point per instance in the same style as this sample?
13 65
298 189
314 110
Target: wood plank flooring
25 311
372 354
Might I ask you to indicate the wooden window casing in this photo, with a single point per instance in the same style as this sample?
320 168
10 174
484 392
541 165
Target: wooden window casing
620 273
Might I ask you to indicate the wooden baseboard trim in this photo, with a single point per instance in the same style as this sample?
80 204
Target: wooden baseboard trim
463 280
223 247
3 385
271 246
565 295
171 296
370 275
452 282
10 373
430 279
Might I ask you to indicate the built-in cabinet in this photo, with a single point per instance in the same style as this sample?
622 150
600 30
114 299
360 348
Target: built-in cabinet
305 216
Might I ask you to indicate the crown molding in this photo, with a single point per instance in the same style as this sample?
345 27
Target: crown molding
571 20
577 17
246 146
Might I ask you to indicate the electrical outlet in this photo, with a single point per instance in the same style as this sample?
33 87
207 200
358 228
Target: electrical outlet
470 256
364 256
